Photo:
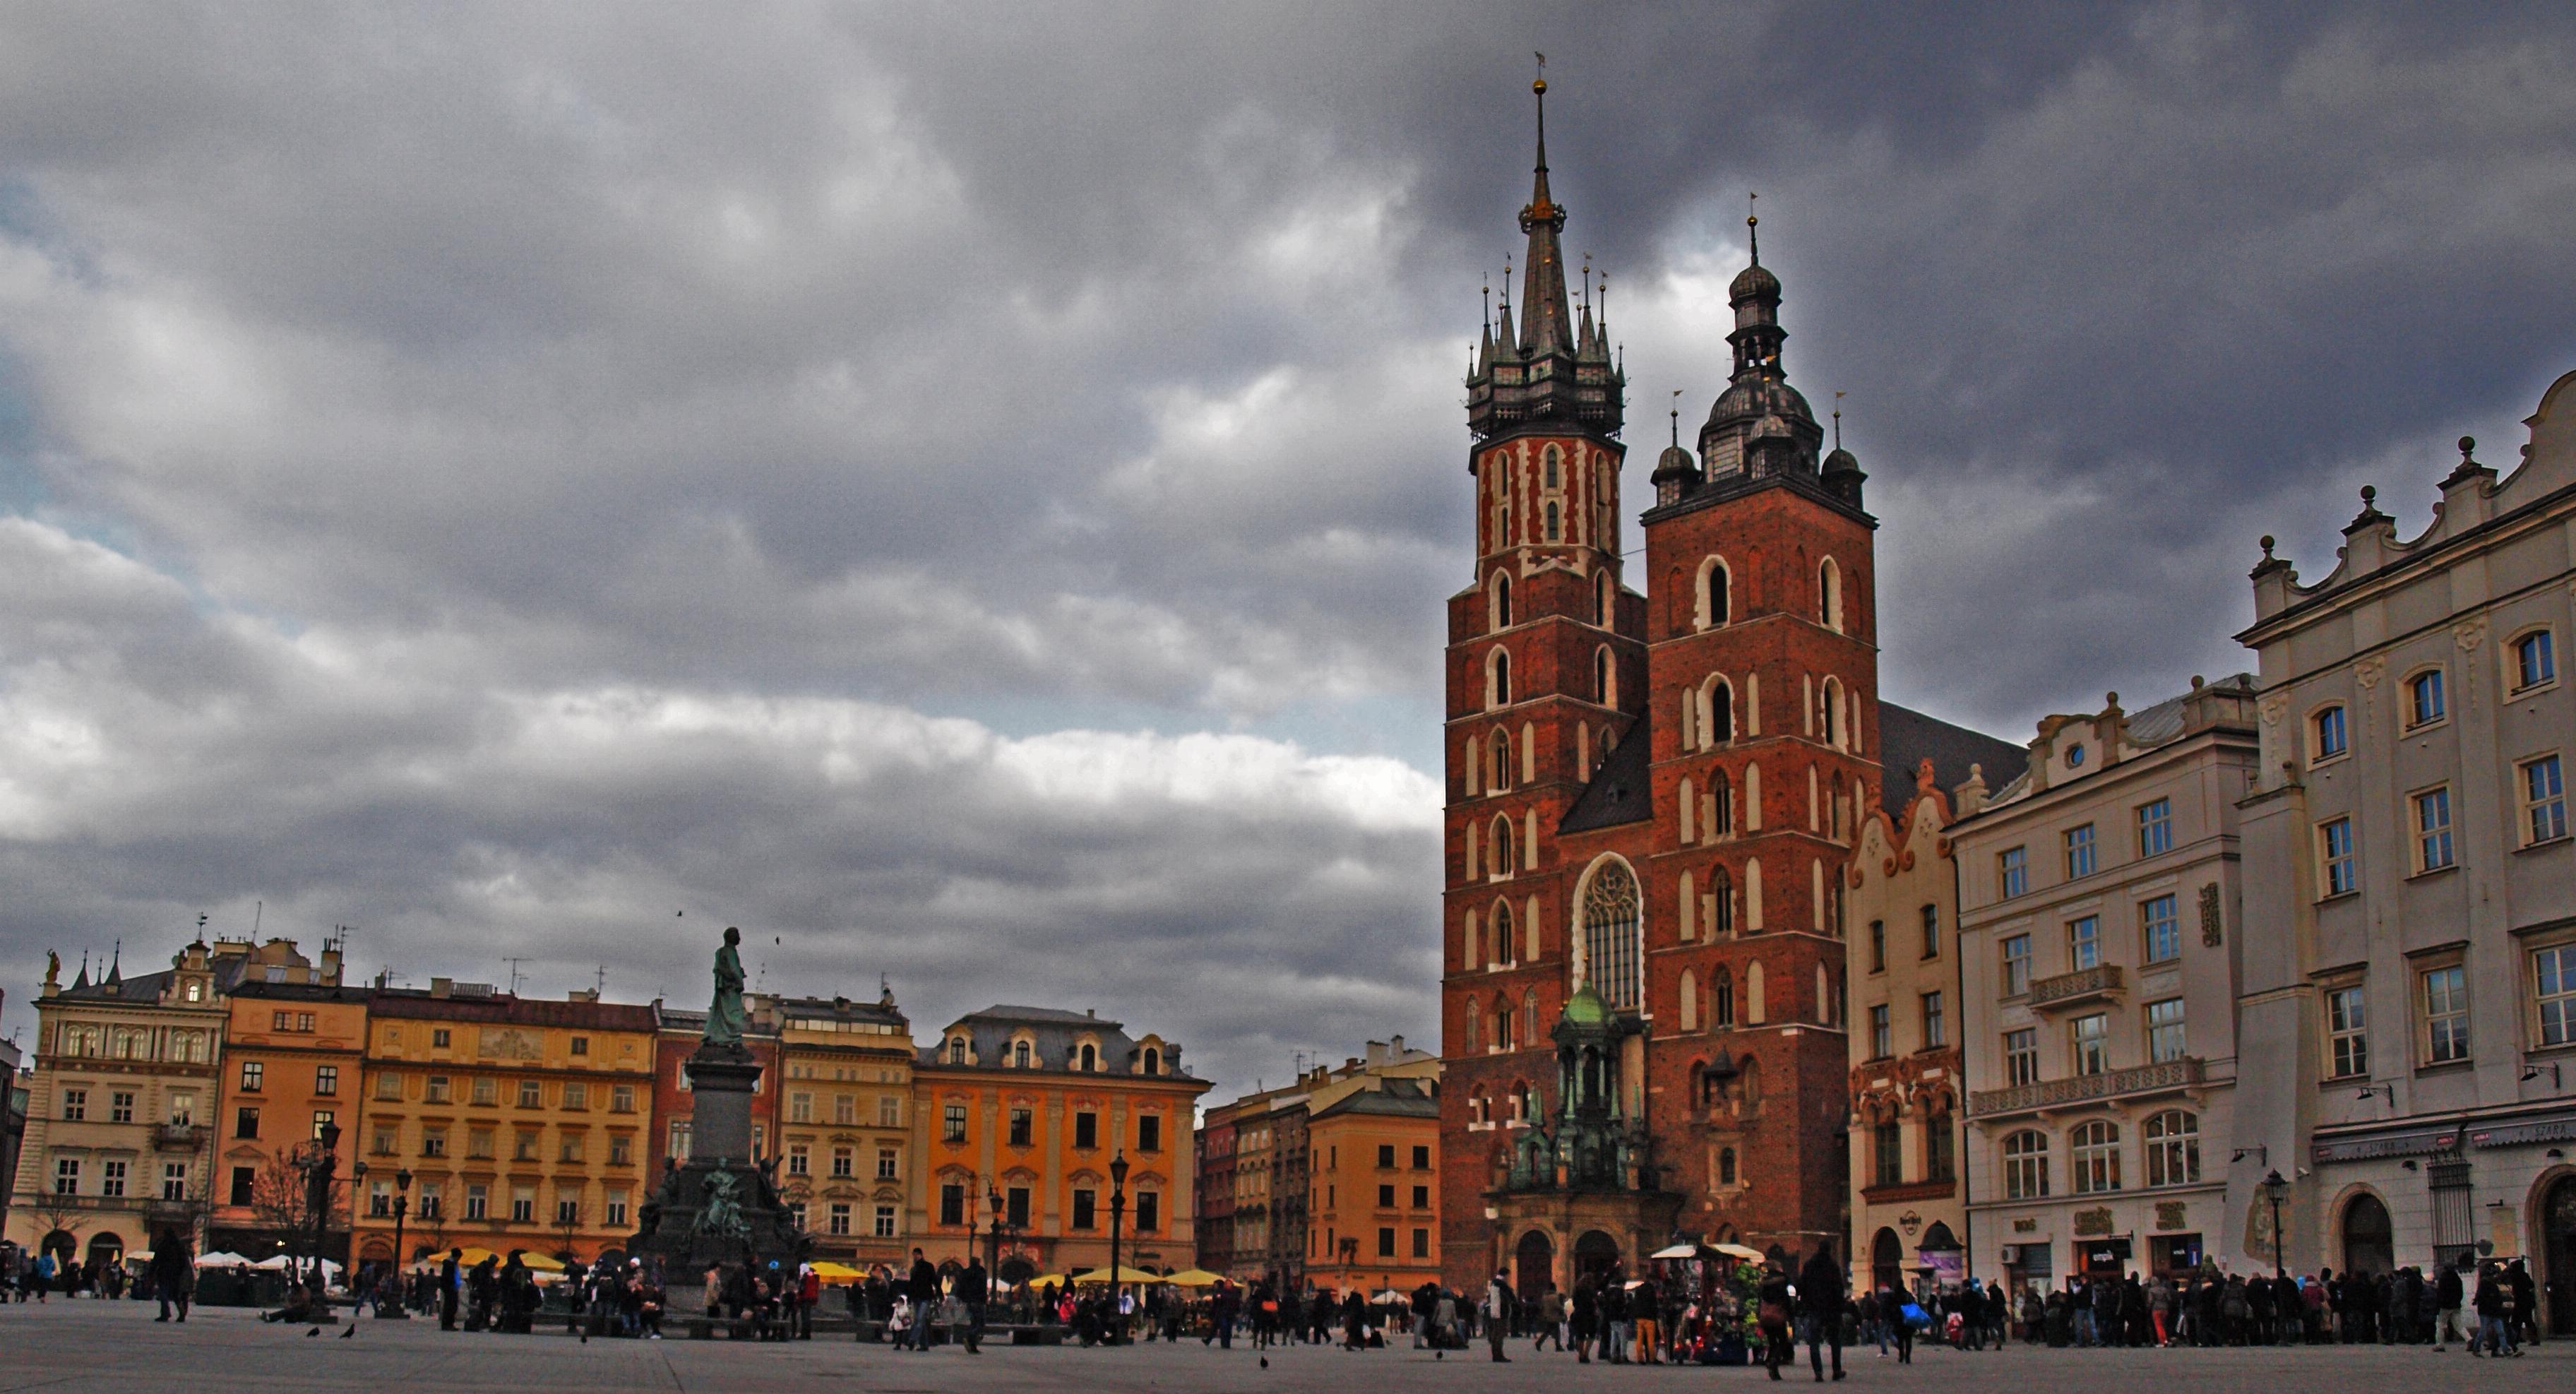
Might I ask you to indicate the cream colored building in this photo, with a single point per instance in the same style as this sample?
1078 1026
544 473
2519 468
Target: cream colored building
1908 1211
121 1107
2099 933
844 1134
2410 970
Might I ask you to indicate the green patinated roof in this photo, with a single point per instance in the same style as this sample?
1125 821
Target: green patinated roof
1585 1007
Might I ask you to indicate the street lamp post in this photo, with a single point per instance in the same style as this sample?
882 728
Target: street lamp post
2273 1186
993 1241
402 1207
1117 1222
318 1195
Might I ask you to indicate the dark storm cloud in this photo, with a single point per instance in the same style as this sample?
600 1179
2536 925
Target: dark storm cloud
500 476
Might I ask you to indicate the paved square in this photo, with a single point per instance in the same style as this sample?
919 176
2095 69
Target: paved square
117 1345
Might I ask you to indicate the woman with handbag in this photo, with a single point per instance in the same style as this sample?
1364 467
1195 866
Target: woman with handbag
1773 1314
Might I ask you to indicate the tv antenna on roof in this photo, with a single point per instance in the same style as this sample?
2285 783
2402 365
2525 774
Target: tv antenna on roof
514 974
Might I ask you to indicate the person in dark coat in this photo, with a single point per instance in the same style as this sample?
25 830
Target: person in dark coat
2448 1291
923 1282
450 1278
1820 1307
974 1288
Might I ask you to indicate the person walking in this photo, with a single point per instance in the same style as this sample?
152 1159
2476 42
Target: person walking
1644 1307
1498 1313
1820 1307
1772 1315
974 1289
2447 1292
1586 1318
1551 1321
174 1278
923 1282
2492 1302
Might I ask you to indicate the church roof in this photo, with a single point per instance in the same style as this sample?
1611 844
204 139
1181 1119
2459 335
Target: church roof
1622 790
1907 737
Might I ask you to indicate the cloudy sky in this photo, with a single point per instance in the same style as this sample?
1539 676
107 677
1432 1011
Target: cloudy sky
967 493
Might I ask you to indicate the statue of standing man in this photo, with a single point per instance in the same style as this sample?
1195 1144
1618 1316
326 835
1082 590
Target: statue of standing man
725 1018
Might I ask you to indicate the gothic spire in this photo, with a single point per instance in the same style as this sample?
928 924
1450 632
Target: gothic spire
1546 324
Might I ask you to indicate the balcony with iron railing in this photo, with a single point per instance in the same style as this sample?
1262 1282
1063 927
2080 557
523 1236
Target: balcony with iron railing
179 1137
2162 1077
2083 987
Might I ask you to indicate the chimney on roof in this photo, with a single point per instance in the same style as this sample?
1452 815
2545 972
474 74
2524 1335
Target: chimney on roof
1396 1047
1091 1011
442 987
582 994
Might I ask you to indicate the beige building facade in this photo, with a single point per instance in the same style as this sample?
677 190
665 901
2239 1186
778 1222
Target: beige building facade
1908 1211
2410 971
844 1135
2099 916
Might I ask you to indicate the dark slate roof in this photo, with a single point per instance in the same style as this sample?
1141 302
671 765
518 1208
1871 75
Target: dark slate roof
840 1009
300 992
1401 1098
1907 737
1054 1034
1622 790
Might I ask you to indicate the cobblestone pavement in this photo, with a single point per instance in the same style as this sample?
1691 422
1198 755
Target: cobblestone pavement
117 1345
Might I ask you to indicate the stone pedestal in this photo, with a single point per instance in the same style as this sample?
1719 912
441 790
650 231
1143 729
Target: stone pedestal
720 1205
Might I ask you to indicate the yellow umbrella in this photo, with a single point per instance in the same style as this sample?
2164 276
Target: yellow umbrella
836 1272
542 1263
475 1253
1046 1280
1194 1278
1125 1275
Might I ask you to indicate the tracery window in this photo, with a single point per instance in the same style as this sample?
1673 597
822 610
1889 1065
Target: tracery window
1610 930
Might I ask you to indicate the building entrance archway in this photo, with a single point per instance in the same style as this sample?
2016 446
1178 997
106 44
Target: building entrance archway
1887 1261
1533 1265
2558 1249
1595 1254
105 1249
2369 1243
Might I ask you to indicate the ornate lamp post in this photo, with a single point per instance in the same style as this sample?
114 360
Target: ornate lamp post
993 1241
402 1208
1117 1222
326 1163
2273 1186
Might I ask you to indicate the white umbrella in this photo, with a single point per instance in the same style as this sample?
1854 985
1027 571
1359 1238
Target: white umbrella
220 1259
1677 1251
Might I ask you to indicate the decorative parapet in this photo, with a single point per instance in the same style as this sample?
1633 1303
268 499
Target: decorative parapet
2056 1093
2076 988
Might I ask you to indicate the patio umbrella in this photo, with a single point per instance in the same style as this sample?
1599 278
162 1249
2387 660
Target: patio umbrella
1676 1251
1739 1251
543 1263
1125 1275
1045 1280
1390 1298
1193 1278
220 1259
836 1272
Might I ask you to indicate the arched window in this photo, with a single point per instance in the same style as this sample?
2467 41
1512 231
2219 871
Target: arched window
1721 805
2026 1166
1503 1024
1829 595
1019 1055
1500 602
1756 1008
1721 999
1604 600
1604 676
1711 608
1153 1061
1690 1001
1475 1020
1090 1058
956 1050
1717 726
1500 943
1610 930
2095 1148
1504 861
1686 808
1726 1166
1551 521
1498 679
1551 460
1498 767
1833 724
2173 1149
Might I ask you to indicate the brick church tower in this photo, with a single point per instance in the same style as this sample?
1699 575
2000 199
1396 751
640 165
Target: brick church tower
1651 804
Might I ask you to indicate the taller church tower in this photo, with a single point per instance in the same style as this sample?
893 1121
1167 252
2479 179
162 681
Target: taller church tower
1651 804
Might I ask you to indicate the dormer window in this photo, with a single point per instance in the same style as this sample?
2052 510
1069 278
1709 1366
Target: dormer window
1153 1061
956 1050
1019 1055
1089 1060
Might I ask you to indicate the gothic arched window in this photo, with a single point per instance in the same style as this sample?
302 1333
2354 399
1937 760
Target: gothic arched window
1610 931
1829 595
1551 521
1502 606
1603 593
1504 862
1603 675
1498 772
1721 999
1499 944
1498 679
1552 460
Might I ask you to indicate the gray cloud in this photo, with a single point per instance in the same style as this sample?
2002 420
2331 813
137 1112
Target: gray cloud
501 476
